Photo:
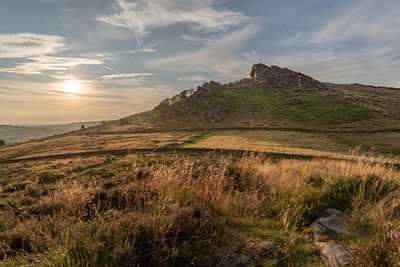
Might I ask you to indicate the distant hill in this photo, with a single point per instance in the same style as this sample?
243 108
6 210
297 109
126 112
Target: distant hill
16 134
271 97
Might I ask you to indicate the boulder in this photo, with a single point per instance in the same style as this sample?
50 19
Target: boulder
334 254
331 223
326 230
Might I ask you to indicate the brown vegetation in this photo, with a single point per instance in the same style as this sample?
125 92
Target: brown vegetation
178 210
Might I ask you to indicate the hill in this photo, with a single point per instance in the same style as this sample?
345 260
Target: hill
272 97
16 134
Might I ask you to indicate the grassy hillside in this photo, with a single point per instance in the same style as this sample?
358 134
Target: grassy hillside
248 104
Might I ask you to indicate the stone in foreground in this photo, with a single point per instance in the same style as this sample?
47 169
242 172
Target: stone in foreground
325 231
252 253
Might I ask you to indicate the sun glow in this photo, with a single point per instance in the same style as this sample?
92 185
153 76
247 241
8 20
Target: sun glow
72 86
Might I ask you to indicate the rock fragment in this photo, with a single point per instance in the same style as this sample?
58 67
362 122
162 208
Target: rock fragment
326 230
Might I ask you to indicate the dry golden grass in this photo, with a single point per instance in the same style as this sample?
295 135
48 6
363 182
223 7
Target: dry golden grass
81 143
27 171
168 209
287 142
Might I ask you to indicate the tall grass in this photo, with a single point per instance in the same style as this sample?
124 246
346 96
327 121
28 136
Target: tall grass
176 210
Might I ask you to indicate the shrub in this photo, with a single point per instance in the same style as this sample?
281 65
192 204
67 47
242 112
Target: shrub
381 251
49 177
11 188
338 193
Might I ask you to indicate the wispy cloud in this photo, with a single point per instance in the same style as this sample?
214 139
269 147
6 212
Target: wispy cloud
222 55
148 50
191 38
376 20
40 64
125 75
22 45
372 65
143 15
359 43
192 78
38 50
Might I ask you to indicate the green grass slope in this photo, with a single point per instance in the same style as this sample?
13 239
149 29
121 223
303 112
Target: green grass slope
248 103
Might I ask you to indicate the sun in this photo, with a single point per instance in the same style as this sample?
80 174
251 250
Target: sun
72 86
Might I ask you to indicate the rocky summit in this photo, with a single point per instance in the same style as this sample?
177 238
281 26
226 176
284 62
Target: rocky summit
271 96
217 105
277 77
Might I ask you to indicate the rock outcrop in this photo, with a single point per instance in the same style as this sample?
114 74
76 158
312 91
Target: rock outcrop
187 101
326 230
275 76
208 104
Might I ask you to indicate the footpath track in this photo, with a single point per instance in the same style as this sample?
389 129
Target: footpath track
148 131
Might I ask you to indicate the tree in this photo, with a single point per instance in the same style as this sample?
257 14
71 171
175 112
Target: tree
82 127
2 142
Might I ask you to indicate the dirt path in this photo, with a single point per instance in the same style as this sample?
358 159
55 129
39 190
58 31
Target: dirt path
144 131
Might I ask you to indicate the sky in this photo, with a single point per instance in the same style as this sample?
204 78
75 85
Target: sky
128 55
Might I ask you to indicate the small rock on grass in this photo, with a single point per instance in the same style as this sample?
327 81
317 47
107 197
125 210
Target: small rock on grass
326 228
252 253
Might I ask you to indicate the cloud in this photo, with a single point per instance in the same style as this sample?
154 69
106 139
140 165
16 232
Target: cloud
192 78
222 55
368 20
369 65
22 45
124 75
148 50
360 42
191 38
40 64
37 49
143 15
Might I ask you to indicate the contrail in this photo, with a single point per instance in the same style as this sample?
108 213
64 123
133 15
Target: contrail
110 69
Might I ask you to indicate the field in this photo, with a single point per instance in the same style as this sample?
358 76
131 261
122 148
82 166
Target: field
80 143
310 143
332 144
168 209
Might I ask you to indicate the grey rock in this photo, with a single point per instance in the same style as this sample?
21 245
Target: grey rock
296 101
264 248
275 76
334 220
217 118
251 253
331 223
334 254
